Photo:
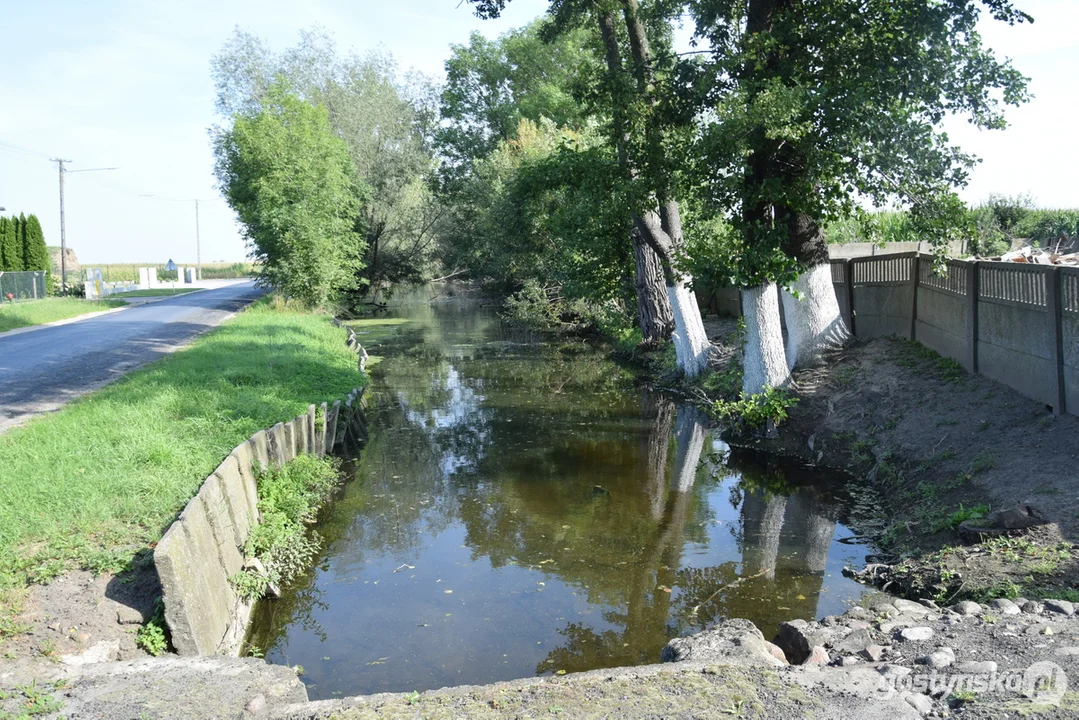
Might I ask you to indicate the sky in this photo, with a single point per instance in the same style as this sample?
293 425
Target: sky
126 84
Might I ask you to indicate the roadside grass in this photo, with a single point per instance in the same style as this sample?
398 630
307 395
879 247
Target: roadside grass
96 483
156 292
36 312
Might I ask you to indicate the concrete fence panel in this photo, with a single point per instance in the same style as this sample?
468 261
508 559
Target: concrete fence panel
1016 343
1069 321
942 322
882 295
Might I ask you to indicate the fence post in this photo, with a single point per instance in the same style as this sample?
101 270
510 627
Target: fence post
1056 343
973 290
848 282
913 296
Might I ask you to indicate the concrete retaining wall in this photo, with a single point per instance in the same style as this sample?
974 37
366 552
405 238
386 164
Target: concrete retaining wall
205 546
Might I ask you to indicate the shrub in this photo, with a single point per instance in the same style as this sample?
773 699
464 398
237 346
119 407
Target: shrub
289 499
755 410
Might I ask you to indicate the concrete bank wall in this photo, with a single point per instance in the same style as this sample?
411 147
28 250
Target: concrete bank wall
204 547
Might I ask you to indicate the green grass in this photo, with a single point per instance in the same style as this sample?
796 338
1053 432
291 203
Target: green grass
35 312
156 292
97 482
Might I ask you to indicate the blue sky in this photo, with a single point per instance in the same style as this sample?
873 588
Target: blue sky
127 84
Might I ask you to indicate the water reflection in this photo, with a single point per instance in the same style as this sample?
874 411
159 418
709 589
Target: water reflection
522 508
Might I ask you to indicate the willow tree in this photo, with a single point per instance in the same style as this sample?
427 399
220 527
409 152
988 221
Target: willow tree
818 108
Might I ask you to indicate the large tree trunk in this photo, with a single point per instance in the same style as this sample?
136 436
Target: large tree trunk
814 323
763 361
664 234
660 414
653 303
762 524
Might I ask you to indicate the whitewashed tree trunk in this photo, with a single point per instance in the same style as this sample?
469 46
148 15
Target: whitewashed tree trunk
691 344
691 432
763 363
814 323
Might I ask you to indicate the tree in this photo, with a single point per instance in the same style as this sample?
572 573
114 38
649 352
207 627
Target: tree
491 85
807 119
289 179
35 254
641 134
9 255
387 121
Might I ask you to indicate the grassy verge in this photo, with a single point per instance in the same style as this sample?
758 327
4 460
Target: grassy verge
93 484
37 312
156 292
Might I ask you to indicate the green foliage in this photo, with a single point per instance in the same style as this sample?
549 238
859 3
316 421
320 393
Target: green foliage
753 411
289 178
289 498
806 119
152 636
34 253
387 121
10 247
36 312
148 443
492 85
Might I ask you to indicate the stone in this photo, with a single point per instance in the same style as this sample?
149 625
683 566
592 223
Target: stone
1019 601
854 643
976 667
916 634
259 446
1032 608
275 442
929 604
913 609
942 657
1061 607
1070 651
967 607
886 609
873 653
1005 606
731 642
99 652
922 703
256 705
817 656
129 616
331 426
796 638
226 535
776 651
858 625
858 613
893 672
848 660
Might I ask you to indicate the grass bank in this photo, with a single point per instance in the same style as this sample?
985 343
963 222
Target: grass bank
37 312
96 482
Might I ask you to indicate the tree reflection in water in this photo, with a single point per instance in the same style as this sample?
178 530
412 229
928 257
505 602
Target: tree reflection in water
577 522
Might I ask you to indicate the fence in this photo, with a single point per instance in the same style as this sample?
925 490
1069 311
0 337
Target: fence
28 285
1015 323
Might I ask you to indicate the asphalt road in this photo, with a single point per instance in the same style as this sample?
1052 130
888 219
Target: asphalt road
44 369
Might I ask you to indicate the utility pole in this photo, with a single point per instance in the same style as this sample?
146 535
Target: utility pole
198 245
63 230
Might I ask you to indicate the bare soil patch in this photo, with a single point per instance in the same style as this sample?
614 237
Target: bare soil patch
935 446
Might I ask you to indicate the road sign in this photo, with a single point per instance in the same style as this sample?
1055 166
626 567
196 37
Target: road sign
170 266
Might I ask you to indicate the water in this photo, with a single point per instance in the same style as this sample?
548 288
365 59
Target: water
522 508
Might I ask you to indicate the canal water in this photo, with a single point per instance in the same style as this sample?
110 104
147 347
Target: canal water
523 508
